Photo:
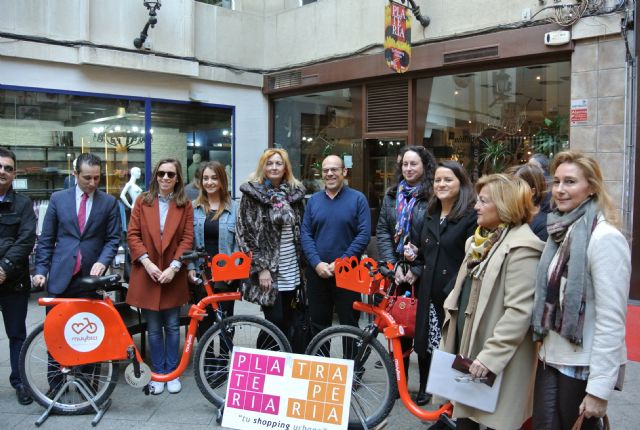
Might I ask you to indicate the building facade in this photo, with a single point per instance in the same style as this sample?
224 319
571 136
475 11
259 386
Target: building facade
488 84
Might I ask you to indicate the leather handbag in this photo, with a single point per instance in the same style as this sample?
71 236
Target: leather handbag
403 309
300 335
578 424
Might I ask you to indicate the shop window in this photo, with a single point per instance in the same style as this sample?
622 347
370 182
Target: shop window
492 119
312 126
47 131
227 4
193 134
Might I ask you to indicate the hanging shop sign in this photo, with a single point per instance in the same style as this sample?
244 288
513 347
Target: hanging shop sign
397 37
276 390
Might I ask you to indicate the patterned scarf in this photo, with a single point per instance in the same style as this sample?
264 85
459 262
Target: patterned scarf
406 199
481 245
564 256
279 198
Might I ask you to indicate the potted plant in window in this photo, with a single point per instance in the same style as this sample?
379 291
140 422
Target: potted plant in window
553 136
494 155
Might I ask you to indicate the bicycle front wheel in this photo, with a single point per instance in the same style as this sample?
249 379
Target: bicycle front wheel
213 354
45 378
374 388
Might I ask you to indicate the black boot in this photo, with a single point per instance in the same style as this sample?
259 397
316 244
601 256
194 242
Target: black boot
422 398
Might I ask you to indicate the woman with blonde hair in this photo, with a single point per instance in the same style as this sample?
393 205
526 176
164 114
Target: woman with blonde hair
488 312
581 296
272 210
160 232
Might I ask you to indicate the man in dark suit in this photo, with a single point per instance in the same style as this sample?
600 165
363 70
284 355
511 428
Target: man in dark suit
80 234
17 236
80 237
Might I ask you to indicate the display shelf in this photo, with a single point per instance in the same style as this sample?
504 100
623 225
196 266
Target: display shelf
46 167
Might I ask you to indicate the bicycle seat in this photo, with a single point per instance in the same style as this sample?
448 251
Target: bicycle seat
106 283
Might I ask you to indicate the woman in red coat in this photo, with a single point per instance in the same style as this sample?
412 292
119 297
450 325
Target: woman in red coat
160 231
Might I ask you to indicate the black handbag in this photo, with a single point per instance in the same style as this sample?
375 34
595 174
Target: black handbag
300 332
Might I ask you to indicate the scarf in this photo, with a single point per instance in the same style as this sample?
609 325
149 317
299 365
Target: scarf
569 236
279 198
482 243
406 199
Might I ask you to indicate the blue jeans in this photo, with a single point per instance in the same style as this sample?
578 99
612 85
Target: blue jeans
163 346
14 313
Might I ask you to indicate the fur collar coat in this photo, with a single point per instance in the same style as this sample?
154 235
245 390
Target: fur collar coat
257 233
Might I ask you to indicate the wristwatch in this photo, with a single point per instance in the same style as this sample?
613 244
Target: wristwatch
175 266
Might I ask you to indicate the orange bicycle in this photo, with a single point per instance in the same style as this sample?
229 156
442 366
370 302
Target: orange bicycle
375 387
70 362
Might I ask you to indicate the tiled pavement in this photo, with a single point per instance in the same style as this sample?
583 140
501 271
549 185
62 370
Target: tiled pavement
132 409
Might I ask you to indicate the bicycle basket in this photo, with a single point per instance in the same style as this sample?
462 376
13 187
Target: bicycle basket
229 267
356 276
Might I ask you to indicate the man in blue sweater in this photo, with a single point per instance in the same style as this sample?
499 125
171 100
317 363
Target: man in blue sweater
336 224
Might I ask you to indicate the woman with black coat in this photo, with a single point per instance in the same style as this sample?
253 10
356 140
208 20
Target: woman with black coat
449 222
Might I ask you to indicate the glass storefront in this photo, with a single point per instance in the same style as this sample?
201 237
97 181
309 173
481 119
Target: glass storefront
487 120
312 126
48 130
193 134
492 119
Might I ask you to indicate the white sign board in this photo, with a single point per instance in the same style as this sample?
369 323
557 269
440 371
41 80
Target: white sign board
277 390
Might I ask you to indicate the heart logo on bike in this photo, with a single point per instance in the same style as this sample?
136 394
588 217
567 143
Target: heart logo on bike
84 332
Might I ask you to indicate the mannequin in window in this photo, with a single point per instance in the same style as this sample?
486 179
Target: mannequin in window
70 179
193 167
131 188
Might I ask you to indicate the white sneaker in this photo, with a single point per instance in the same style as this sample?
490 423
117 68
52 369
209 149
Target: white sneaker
156 387
174 386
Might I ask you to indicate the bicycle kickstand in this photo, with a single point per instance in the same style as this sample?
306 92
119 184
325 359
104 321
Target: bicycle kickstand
84 391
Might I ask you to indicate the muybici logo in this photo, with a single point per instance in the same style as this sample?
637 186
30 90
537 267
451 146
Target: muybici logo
84 332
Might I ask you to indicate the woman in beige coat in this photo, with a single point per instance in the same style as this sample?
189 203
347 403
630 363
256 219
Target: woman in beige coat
488 312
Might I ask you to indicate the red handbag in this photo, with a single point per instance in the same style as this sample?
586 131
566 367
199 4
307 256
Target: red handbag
403 309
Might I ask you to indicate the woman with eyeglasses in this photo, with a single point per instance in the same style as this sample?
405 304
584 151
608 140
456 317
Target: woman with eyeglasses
581 295
268 226
160 232
450 221
488 313
402 215
214 229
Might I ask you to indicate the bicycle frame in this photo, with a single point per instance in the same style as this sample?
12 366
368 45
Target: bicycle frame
85 331
110 339
393 332
365 278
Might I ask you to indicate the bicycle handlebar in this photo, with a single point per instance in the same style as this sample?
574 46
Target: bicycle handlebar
385 271
193 255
